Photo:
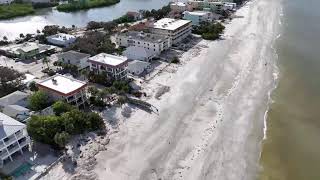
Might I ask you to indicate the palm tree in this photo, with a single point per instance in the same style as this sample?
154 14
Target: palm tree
85 73
46 61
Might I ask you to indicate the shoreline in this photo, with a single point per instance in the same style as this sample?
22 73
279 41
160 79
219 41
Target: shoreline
210 124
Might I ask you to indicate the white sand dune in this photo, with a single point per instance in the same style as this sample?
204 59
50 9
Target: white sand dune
210 123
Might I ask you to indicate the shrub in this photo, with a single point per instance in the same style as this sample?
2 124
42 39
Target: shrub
38 101
61 107
175 60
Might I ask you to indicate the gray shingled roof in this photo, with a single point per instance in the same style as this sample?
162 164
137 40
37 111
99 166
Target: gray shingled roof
9 126
73 55
15 98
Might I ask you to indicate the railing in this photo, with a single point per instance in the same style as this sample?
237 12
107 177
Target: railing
25 142
19 135
2 145
3 154
13 149
10 141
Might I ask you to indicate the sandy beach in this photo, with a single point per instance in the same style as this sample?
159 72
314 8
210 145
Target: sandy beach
211 122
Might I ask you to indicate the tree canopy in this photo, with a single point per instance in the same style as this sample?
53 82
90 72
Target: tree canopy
55 130
10 80
39 100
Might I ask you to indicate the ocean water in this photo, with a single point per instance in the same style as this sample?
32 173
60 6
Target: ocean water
291 149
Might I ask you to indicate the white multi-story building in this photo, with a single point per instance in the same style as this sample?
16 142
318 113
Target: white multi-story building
154 42
176 29
60 87
213 5
114 66
13 139
61 39
198 16
178 7
139 53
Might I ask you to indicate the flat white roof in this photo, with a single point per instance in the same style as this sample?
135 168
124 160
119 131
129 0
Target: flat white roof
61 37
62 84
108 59
179 4
197 13
170 24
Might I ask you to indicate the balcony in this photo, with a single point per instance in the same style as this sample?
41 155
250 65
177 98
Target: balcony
19 135
13 149
2 145
25 142
3 154
11 140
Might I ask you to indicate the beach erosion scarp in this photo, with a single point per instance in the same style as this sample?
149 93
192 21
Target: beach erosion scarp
210 124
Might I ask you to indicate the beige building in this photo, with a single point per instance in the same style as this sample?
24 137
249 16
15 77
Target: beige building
60 87
176 29
115 66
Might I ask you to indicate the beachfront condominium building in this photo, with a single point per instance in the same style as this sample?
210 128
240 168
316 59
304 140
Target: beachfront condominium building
179 7
212 5
197 17
139 53
13 139
61 39
176 29
60 87
153 42
114 66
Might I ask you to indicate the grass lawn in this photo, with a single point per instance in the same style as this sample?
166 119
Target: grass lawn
85 4
14 10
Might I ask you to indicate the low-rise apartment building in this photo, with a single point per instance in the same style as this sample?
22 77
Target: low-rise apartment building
114 66
61 39
13 139
196 17
60 87
154 42
212 5
176 29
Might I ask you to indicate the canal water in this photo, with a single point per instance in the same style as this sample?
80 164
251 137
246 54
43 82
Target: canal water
291 150
29 24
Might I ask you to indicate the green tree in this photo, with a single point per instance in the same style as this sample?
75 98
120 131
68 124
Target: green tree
38 101
46 61
61 107
43 128
74 121
95 121
10 80
33 86
121 100
93 91
61 139
21 36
